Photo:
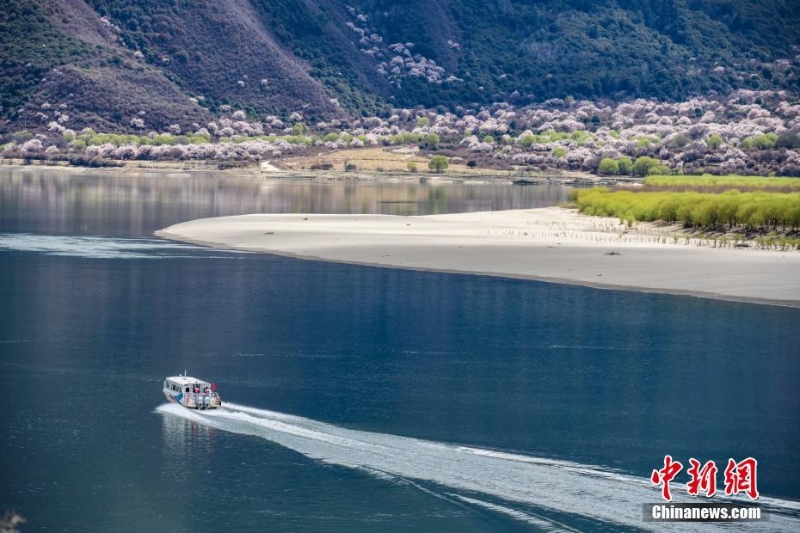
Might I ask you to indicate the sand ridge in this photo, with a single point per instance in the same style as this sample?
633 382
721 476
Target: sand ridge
549 244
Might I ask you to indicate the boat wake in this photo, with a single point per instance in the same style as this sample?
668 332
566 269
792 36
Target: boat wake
548 494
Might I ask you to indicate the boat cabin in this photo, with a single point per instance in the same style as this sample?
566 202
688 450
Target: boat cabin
191 392
187 384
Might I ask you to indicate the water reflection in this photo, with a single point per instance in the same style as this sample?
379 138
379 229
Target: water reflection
185 438
58 202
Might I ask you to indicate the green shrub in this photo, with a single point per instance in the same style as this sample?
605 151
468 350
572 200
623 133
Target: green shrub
438 163
766 141
707 210
643 165
714 142
581 137
708 181
625 165
658 170
644 142
608 166
164 138
406 138
431 139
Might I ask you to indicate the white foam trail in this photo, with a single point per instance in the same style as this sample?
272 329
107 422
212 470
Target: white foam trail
541 523
92 247
552 485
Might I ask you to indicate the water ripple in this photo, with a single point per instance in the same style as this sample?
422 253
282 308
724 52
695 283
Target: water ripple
99 247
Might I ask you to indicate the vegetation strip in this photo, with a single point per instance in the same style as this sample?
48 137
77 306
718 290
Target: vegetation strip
774 215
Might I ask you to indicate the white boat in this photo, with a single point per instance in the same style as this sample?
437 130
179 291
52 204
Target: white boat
191 393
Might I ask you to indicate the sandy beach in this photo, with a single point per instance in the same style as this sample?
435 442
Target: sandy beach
549 244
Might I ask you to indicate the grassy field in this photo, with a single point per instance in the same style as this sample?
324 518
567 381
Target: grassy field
378 160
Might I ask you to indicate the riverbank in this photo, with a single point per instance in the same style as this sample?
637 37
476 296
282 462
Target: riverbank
550 244
277 170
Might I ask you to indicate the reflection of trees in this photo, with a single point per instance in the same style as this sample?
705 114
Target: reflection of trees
55 202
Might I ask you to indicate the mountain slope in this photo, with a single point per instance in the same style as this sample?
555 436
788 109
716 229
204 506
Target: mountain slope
181 61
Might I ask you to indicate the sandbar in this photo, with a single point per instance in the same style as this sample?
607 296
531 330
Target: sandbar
552 244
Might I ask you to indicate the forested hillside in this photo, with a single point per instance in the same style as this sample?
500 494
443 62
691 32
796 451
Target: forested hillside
139 64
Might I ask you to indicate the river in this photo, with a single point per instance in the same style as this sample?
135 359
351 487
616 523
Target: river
355 398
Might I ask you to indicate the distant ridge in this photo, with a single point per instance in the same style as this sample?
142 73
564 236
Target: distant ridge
180 61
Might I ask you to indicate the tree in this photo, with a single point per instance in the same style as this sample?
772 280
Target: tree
766 141
431 140
714 142
625 165
559 153
438 163
423 121
658 170
643 165
678 141
411 166
608 166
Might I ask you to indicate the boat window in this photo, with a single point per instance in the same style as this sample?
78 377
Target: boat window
187 389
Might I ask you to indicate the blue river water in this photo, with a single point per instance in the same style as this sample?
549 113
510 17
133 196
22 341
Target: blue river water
355 398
